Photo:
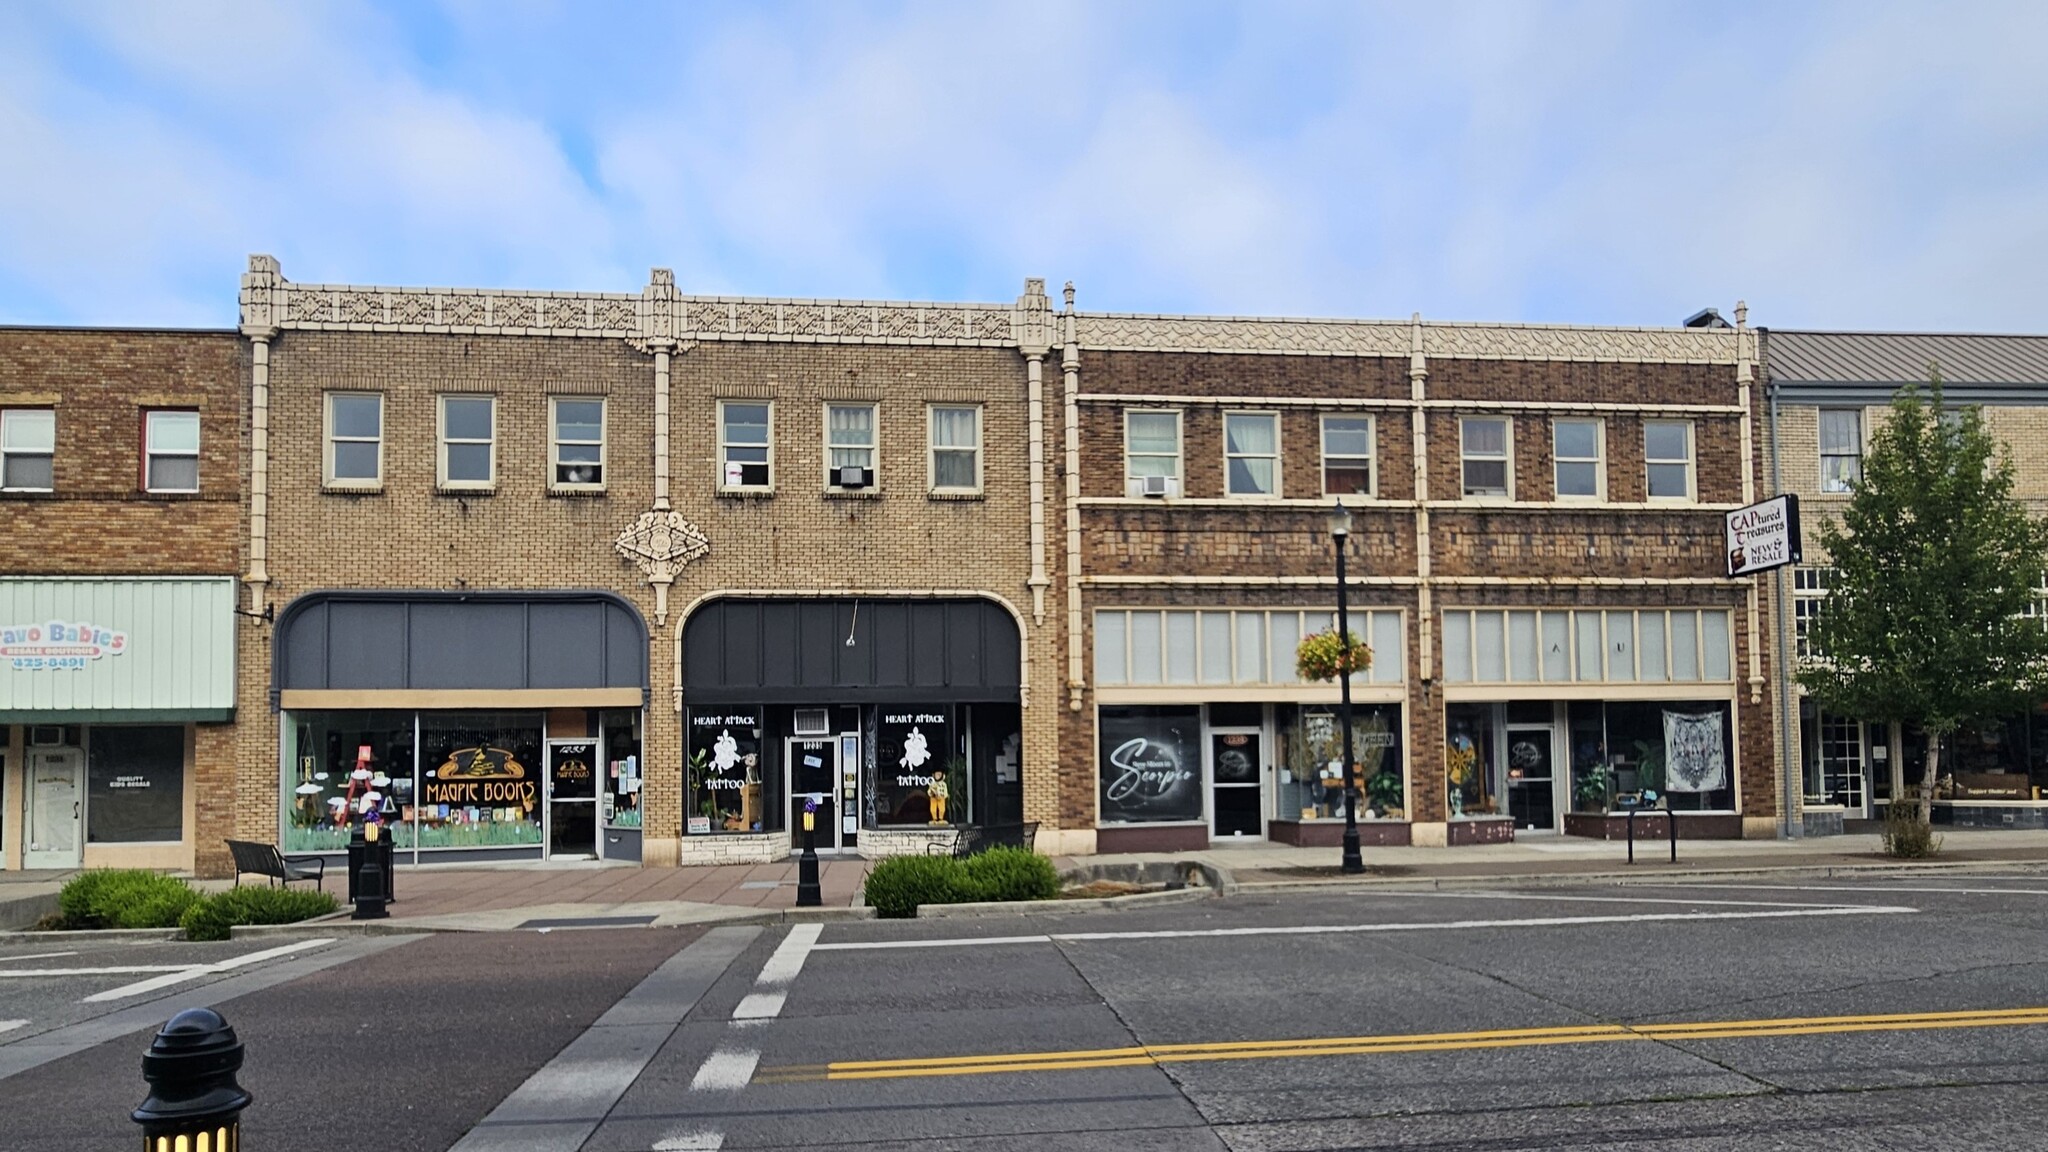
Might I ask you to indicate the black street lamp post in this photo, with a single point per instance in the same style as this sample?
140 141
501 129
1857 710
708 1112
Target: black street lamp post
1340 534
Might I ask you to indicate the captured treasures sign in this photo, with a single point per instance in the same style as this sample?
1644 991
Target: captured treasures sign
58 645
1764 536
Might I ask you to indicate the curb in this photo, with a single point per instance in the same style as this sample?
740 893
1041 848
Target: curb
1664 874
97 934
1090 904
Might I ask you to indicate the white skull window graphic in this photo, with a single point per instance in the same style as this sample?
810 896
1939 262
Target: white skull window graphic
725 752
915 750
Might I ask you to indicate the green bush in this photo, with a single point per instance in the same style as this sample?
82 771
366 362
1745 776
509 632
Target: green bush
1012 874
124 898
1904 836
211 918
896 886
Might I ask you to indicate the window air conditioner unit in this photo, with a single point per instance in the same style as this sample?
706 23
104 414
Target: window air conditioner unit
46 737
812 721
1155 486
853 477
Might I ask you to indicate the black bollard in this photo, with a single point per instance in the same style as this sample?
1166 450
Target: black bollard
194 1102
371 885
808 894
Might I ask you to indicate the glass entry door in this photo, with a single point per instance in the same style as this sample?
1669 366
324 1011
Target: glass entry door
56 808
811 773
572 798
1235 759
1531 779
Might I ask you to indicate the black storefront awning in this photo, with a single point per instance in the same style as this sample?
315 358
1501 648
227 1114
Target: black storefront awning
796 652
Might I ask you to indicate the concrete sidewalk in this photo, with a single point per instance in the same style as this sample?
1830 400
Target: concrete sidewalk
506 896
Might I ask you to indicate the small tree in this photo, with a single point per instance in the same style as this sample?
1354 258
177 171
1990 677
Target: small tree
1935 566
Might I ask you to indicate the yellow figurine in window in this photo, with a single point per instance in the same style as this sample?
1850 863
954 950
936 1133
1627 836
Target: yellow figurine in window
937 794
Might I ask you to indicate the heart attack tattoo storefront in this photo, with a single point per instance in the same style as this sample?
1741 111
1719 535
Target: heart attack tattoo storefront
480 725
890 722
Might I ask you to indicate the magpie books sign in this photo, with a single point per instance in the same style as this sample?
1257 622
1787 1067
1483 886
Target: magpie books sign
1763 536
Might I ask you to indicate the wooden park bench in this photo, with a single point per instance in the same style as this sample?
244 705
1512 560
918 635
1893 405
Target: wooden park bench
265 860
974 838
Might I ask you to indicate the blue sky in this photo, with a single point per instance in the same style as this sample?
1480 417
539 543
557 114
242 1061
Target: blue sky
1862 165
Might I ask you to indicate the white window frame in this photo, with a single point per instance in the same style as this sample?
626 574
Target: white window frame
442 441
555 442
15 414
1598 460
1811 584
1275 456
725 445
1692 456
1371 458
1820 443
1175 480
1506 457
329 438
933 448
150 452
873 448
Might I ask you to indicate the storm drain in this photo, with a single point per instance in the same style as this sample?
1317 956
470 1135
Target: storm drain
591 922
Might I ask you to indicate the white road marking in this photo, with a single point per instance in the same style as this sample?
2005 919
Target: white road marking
691 1142
11 1025
1335 929
1871 888
1483 895
788 959
725 1071
120 970
197 970
760 1006
36 956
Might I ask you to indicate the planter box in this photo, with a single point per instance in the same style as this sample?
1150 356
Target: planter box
1330 833
1991 814
1652 825
1479 830
1151 838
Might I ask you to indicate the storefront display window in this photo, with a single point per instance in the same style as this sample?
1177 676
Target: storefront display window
1311 780
922 772
1150 764
135 785
1470 764
480 780
1592 784
724 779
625 770
323 751
1681 750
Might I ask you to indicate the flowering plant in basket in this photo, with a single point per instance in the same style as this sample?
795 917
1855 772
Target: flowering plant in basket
1324 655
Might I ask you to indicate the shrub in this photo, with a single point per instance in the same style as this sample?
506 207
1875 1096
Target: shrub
1012 874
896 886
124 898
211 918
1904 836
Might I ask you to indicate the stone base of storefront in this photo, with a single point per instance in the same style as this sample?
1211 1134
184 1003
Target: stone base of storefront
1822 821
876 843
1991 813
1330 833
1152 838
743 848
1653 825
1479 830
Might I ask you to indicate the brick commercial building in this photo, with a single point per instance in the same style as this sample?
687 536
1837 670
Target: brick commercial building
121 485
1536 560
1827 393
649 576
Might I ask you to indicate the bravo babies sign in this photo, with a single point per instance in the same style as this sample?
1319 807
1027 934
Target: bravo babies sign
58 645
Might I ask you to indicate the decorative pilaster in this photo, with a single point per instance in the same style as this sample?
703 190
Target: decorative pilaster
662 542
260 285
1034 337
1070 367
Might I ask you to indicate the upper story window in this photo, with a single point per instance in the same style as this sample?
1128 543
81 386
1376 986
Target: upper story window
170 451
355 439
956 448
1667 454
469 427
576 443
28 445
1152 453
1483 452
1575 446
1251 453
1841 448
850 446
744 445
1347 456
1809 592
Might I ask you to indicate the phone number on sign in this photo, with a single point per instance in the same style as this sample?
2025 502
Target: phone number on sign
48 663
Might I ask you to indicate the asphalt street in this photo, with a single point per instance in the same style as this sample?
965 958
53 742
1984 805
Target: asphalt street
1825 1015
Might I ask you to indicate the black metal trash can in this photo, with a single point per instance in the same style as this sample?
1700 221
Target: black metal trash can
358 856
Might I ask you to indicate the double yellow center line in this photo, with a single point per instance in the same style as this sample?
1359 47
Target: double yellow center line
1153 1054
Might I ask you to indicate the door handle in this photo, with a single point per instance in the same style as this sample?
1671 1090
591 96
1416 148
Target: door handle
75 813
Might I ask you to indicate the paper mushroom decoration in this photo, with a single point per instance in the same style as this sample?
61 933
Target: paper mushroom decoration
308 789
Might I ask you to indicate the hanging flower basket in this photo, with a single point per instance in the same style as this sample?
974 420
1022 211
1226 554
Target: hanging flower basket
1323 656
